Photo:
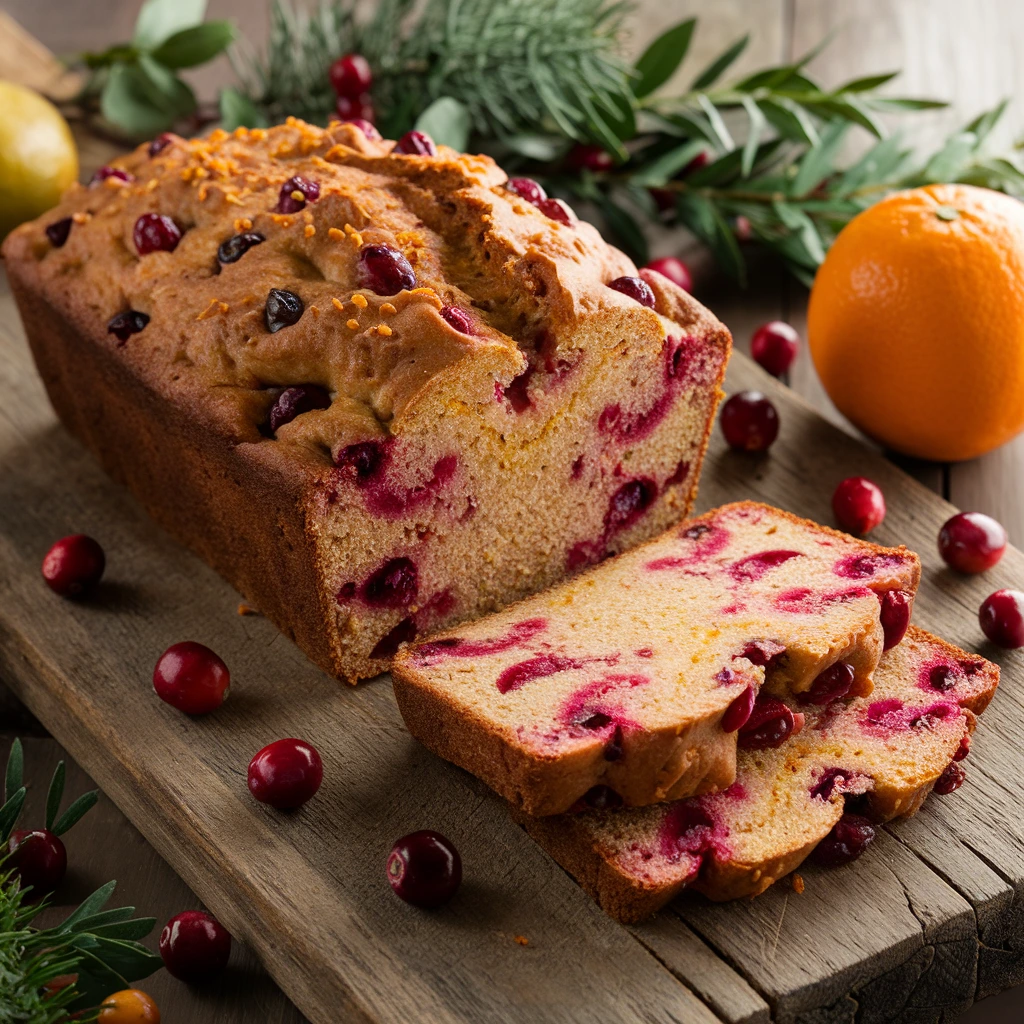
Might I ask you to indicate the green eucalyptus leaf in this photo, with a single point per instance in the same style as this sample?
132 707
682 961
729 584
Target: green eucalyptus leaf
446 121
705 220
868 82
661 59
983 124
668 165
125 102
238 111
880 163
790 120
165 90
722 136
90 905
817 163
54 795
125 931
717 67
754 132
9 813
849 108
801 225
195 45
105 917
74 813
15 769
626 231
160 19
949 162
544 148
900 103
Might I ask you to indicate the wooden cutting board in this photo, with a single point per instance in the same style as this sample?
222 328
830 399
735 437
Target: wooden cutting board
927 921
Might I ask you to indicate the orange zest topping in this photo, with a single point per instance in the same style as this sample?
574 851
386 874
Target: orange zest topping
359 300
335 235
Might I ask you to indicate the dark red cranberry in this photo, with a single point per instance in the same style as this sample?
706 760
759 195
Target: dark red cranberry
416 143
832 684
125 324
739 711
295 193
40 859
826 785
763 652
403 633
972 542
769 725
154 232
457 317
636 288
894 616
557 209
849 838
858 505
351 75
749 422
951 779
527 188
393 585
192 678
111 172
590 158
285 774
1002 618
384 270
964 749
58 232
664 199
160 143
74 565
232 249
361 460
742 229
628 503
424 869
282 309
357 108
699 162
365 125
194 947
295 401
943 678
774 346
675 270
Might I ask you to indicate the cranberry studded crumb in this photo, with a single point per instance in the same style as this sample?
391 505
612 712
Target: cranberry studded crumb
364 124
832 684
424 869
972 542
636 288
384 270
58 232
154 232
416 143
232 249
295 193
675 270
769 725
527 188
457 317
294 401
125 324
774 347
558 210
74 565
160 143
107 171
858 505
194 947
285 773
1002 618
40 859
192 678
282 309
738 712
749 422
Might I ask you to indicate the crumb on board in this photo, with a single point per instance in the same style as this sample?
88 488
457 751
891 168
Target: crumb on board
246 609
797 882
522 940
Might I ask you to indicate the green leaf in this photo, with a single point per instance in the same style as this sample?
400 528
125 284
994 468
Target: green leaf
195 45
790 120
125 103
74 813
849 108
668 165
704 219
238 111
166 91
661 59
125 931
722 136
105 917
544 148
983 124
880 163
15 769
868 82
446 121
727 168
54 795
159 19
817 163
625 229
9 813
715 69
803 227
949 162
756 129
902 103
90 905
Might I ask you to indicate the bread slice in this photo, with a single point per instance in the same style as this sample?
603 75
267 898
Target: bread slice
882 754
629 683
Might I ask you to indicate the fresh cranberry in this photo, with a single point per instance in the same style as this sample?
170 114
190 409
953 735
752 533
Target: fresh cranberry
111 172
769 725
832 684
125 324
699 162
160 143
365 125
527 188
636 288
964 749
590 158
457 317
951 779
58 232
943 678
774 346
972 542
285 774
424 869
742 229
749 422
351 75
282 309
194 946
628 503
192 678
384 270
849 838
738 712
858 505
154 232
361 460
74 565
1002 618
557 209
295 401
664 199
894 616
763 652
295 193
393 585
357 108
416 143
40 859
675 270
232 249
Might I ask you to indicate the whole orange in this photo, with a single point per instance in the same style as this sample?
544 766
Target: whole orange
916 321
129 1006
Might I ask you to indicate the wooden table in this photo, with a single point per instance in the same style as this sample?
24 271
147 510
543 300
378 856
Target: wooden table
942 55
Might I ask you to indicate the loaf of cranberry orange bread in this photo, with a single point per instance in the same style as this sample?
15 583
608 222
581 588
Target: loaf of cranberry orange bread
378 386
634 678
879 756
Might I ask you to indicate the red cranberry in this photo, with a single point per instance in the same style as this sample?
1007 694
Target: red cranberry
192 678
160 143
282 309
295 193
590 158
361 460
74 565
699 162
943 678
763 652
40 859
232 249
416 143
769 725
849 838
743 229
351 75
365 125
628 503
357 108
774 347
964 749
58 232
384 270
111 172
402 633
894 616
557 209
424 869
664 199
393 585
295 401
457 317
154 232
526 188
636 288
738 712
858 504
675 270
194 946
1002 618
125 324
972 542
832 684
749 422
951 779
285 774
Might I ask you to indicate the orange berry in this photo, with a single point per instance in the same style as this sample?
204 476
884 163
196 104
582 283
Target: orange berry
130 1006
